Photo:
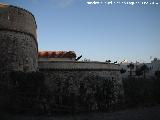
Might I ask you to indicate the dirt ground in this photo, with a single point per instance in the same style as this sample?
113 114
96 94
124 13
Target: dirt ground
150 113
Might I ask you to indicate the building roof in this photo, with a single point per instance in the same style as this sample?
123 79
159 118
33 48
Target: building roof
56 54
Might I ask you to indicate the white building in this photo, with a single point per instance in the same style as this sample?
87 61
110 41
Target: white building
152 67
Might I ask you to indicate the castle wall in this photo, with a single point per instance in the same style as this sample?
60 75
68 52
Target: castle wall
75 77
62 80
77 71
17 19
83 81
18 40
18 52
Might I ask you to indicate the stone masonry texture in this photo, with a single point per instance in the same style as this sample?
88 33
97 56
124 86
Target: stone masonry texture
18 52
18 43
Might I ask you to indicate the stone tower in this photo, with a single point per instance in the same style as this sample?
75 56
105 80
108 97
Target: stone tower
18 40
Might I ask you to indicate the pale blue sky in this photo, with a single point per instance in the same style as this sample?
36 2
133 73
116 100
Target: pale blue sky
98 32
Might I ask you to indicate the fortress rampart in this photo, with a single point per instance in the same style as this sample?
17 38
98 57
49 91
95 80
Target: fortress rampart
19 47
17 19
54 84
65 78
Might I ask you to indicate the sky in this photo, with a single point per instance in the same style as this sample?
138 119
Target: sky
98 32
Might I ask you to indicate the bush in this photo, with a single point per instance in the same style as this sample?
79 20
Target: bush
140 91
93 93
24 91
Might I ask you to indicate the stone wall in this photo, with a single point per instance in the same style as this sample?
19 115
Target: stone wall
76 77
67 84
18 51
50 91
76 72
17 19
81 86
18 48
70 89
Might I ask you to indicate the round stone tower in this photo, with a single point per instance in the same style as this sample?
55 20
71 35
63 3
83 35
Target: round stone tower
18 40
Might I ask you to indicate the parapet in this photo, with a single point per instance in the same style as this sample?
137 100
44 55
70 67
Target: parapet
17 19
75 65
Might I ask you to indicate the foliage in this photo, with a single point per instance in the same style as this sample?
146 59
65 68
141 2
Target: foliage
131 67
142 70
122 71
157 74
99 93
108 61
139 91
139 72
28 93
86 60
24 90
93 93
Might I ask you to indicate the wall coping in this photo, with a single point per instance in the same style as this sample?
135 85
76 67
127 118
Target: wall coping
77 65
27 11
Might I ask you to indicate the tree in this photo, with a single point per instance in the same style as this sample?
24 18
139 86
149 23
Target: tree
108 61
86 60
157 74
122 71
131 67
144 69
139 72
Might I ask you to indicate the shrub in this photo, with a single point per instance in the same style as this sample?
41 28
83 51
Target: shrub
25 90
140 91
